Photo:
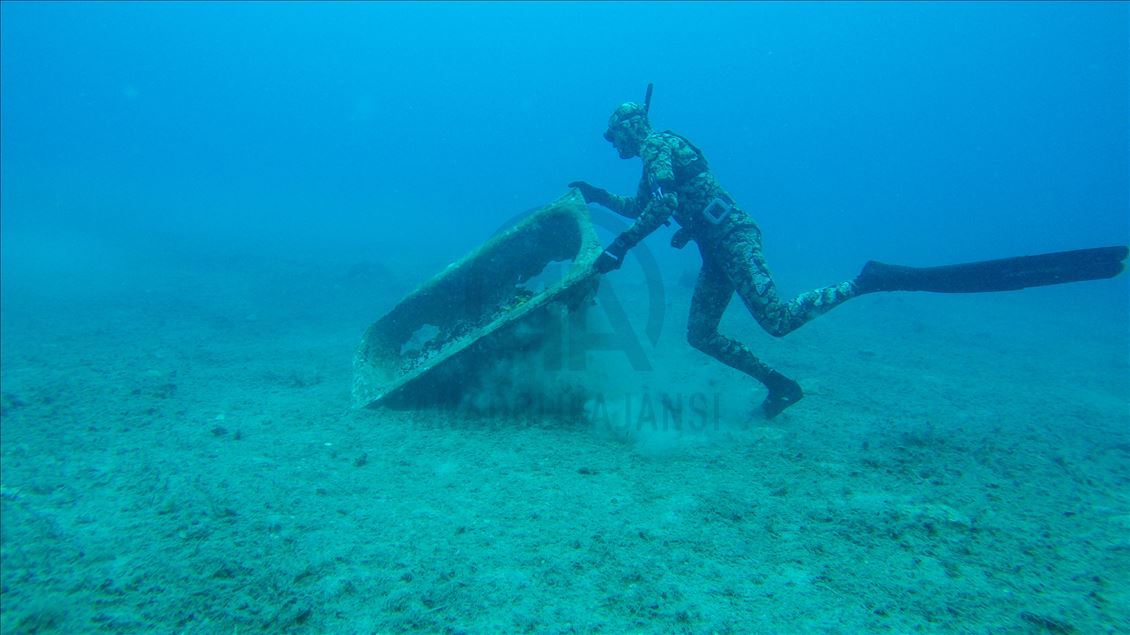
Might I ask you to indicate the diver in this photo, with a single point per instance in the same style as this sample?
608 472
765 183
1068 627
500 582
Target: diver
677 183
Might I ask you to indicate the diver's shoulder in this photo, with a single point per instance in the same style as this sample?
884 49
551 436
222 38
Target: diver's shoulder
660 141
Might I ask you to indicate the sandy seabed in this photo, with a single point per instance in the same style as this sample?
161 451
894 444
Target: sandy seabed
180 457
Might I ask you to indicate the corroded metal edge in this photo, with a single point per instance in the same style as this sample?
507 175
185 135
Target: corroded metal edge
560 228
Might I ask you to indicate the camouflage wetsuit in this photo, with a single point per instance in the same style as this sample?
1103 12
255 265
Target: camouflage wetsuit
677 183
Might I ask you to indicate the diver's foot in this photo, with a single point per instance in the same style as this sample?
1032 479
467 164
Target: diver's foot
783 392
879 276
875 276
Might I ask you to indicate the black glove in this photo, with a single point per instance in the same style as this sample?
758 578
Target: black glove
592 193
681 237
605 262
612 257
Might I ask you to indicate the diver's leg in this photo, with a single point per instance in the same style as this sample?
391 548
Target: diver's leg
745 267
712 293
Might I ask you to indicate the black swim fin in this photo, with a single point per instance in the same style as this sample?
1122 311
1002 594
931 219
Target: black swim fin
1006 274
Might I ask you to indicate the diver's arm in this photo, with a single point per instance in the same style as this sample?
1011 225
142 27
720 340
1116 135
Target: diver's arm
626 206
622 205
657 189
655 214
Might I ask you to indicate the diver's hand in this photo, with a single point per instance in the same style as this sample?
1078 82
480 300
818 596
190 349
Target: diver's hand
592 193
606 262
681 237
613 257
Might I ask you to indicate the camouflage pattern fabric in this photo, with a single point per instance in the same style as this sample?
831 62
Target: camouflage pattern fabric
677 183
738 265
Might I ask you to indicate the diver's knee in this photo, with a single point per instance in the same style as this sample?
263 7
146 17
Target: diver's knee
777 330
698 338
774 321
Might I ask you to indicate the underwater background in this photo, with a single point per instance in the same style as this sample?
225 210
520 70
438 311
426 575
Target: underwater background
204 205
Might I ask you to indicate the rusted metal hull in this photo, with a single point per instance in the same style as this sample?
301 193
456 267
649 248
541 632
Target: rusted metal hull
421 350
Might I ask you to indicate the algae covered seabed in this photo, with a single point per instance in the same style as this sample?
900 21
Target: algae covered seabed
179 456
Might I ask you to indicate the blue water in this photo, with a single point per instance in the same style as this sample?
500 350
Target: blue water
877 130
170 169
